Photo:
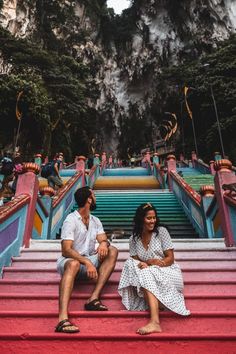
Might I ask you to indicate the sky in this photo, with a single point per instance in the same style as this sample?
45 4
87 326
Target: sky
118 5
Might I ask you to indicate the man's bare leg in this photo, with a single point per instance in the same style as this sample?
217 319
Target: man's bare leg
104 272
153 325
65 289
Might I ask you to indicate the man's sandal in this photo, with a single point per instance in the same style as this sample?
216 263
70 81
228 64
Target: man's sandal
95 305
63 327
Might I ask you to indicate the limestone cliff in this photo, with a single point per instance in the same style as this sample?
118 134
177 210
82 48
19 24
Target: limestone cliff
125 66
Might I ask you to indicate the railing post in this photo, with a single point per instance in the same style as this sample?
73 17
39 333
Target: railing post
104 159
207 193
217 156
96 160
80 166
224 175
28 183
38 159
80 163
148 156
211 163
46 196
194 158
156 158
171 166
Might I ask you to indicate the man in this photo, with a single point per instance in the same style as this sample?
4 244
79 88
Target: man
54 179
80 259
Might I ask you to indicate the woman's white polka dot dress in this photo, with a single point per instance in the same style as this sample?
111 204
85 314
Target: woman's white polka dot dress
165 283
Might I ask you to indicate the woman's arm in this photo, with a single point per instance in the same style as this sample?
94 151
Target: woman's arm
167 261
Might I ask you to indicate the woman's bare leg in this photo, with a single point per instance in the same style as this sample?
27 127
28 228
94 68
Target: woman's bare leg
153 325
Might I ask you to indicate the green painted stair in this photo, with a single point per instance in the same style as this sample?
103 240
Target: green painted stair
116 210
195 178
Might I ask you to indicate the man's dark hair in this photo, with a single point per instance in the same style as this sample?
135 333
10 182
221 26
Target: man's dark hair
81 196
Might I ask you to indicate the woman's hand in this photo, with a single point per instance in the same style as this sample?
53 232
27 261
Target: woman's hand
142 265
158 262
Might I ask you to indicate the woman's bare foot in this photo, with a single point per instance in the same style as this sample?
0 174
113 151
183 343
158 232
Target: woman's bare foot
151 327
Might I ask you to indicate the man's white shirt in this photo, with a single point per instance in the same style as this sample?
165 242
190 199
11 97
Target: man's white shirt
84 239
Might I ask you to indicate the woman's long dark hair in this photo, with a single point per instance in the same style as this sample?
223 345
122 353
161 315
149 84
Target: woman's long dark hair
139 219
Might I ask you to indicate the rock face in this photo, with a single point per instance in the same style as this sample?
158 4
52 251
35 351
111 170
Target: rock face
164 33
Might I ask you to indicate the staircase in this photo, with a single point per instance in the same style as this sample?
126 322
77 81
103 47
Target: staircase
120 191
116 210
29 306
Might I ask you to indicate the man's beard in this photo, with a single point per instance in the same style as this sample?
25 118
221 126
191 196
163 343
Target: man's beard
93 206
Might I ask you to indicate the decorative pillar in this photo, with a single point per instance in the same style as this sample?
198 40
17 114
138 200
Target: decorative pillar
156 158
148 156
28 183
207 193
38 159
194 158
171 166
46 199
80 163
110 160
96 160
181 157
224 175
217 156
211 163
104 159
47 191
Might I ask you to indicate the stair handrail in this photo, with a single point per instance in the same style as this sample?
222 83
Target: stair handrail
202 166
190 201
159 171
13 217
195 196
93 174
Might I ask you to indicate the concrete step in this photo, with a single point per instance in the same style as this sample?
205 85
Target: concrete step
124 322
199 264
189 274
193 287
38 302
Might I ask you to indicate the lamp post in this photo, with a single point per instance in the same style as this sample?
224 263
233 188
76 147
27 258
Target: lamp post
206 65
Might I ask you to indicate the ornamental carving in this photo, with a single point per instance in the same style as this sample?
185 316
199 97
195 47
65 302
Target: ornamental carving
48 191
171 157
207 191
31 167
223 165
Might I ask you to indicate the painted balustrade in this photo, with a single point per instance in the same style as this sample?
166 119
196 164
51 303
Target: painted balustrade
226 177
16 216
51 208
190 200
12 227
202 167
148 165
160 173
94 173
210 211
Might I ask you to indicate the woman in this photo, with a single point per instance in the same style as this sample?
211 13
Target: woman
150 277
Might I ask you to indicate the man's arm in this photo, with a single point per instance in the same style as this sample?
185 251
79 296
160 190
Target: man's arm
69 252
103 246
56 169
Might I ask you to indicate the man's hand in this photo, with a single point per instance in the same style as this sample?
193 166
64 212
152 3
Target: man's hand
142 265
102 251
91 271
